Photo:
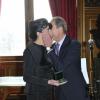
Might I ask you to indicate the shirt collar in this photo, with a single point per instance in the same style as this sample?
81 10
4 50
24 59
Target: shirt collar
61 41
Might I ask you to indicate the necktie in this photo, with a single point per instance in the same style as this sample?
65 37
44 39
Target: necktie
57 49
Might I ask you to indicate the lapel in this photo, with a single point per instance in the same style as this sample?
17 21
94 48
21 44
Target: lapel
64 46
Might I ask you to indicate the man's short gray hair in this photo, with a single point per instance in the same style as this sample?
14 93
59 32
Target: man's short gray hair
60 22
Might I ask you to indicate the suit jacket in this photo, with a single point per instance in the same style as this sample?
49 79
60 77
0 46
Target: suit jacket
36 70
69 61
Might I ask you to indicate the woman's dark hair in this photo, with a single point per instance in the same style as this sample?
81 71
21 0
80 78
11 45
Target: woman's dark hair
37 26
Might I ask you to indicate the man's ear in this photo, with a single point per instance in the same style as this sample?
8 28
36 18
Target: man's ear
60 29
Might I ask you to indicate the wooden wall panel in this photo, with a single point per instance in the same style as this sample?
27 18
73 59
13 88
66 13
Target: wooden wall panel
90 23
86 20
11 66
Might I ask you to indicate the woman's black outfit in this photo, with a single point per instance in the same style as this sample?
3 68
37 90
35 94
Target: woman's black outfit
37 71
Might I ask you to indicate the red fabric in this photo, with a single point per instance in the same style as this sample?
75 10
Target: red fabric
67 10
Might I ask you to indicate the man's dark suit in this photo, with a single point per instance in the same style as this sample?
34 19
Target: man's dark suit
70 63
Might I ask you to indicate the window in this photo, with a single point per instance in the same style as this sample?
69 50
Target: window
42 9
12 28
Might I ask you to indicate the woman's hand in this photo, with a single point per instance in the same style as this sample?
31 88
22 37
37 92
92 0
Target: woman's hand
47 39
53 82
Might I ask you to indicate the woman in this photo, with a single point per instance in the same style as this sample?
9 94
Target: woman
37 71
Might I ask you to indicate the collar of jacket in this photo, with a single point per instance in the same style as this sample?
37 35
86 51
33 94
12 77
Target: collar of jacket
66 42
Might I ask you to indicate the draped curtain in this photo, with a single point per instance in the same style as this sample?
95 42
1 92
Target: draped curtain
66 9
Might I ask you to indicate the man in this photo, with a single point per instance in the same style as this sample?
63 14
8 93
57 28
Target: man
68 60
